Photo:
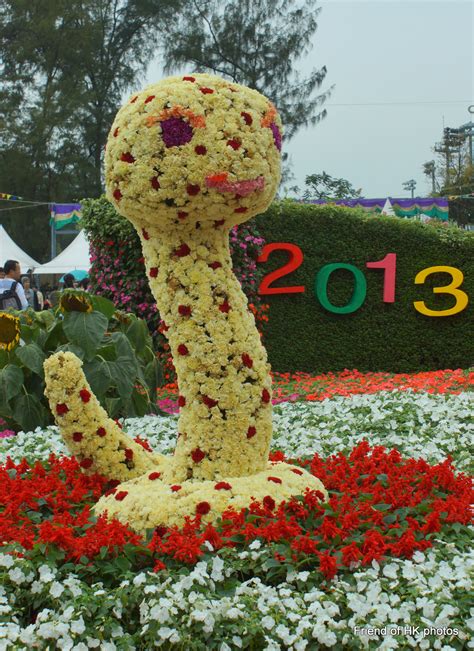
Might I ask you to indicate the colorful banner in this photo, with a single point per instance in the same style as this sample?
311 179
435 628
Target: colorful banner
63 214
10 197
436 207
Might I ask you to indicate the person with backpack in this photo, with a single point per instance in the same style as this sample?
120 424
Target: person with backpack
12 294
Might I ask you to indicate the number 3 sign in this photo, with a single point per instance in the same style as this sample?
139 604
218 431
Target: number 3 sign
389 267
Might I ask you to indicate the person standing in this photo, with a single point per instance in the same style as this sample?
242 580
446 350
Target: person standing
12 294
31 294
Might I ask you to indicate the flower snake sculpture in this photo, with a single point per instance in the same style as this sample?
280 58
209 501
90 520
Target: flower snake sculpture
187 159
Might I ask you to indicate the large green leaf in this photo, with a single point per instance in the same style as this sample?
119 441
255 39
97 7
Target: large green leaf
123 372
72 348
99 376
56 337
11 380
32 357
138 335
45 318
103 305
27 412
85 329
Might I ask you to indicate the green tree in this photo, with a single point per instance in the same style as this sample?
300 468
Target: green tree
324 186
65 65
256 43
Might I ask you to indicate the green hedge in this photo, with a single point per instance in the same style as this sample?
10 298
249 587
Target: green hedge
303 336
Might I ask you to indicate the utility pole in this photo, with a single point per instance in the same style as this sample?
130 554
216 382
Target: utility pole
410 185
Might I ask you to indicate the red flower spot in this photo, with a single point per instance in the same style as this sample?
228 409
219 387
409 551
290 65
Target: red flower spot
209 402
145 234
219 222
85 395
154 475
155 184
101 431
163 326
153 272
275 480
222 486
184 310
269 502
203 508
214 265
296 471
197 455
128 454
182 350
181 401
86 463
327 565
206 91
77 437
121 495
116 131
175 488
182 214
241 209
192 79
247 117
149 98
235 144
127 157
251 431
182 251
217 178
224 307
145 445
200 149
247 360
117 194
134 99
61 409
192 189
265 396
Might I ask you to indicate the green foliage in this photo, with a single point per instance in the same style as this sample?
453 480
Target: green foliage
256 43
324 186
115 348
302 336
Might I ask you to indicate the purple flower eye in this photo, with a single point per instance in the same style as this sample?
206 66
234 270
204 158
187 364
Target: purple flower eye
276 135
176 131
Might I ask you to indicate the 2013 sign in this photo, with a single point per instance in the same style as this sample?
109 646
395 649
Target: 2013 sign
389 267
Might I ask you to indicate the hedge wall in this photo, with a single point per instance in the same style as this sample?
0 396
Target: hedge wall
303 336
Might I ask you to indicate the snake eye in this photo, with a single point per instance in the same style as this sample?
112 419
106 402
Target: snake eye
176 131
276 135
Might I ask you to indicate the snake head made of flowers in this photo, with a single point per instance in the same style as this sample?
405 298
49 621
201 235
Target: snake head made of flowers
194 148
187 159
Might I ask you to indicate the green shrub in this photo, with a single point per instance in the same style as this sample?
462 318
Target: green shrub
116 350
303 336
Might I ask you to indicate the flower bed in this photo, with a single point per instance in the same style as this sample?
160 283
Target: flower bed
391 548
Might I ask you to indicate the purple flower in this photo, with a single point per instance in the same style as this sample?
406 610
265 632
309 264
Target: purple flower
276 135
176 131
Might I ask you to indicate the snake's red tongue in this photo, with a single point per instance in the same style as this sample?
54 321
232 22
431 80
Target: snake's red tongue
242 188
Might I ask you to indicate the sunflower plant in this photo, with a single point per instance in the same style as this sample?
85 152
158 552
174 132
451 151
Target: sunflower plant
115 347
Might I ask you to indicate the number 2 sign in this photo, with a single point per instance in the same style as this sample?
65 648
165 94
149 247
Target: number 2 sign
389 267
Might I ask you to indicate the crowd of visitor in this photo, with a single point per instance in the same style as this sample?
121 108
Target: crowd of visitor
20 293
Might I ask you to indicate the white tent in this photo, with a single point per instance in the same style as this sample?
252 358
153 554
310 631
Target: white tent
75 256
11 251
388 209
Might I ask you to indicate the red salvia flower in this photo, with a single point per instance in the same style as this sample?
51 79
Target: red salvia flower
175 487
269 502
265 396
101 431
192 189
86 463
192 79
121 495
214 265
61 409
235 144
206 91
77 437
224 307
149 99
182 349
153 272
145 234
127 157
116 132
155 183
200 150
184 310
182 214
117 194
247 360
154 475
181 401
275 480
128 454
247 117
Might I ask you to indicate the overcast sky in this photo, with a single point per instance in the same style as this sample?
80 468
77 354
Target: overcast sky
401 70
